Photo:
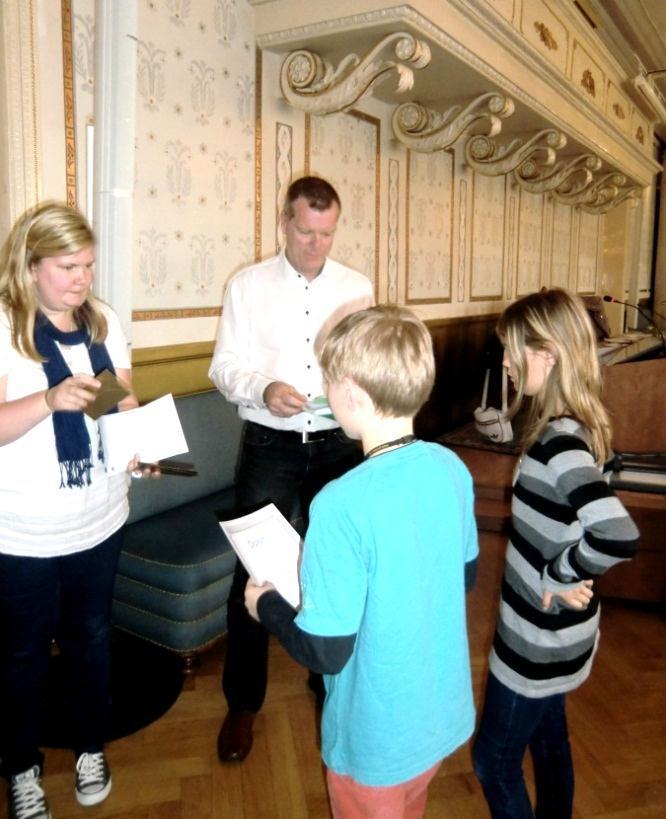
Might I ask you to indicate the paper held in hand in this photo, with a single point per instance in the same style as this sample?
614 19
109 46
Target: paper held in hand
153 431
269 547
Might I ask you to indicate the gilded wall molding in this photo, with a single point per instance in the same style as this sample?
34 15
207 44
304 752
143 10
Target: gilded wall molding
258 68
19 52
422 129
311 84
69 101
176 313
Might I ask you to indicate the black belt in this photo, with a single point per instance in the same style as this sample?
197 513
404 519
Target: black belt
303 437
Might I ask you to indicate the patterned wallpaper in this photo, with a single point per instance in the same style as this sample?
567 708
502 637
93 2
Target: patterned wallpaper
194 204
194 169
424 228
344 148
430 226
488 237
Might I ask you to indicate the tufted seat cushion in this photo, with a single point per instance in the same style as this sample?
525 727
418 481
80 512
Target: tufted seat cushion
176 565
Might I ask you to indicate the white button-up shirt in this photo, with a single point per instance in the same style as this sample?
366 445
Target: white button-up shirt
273 322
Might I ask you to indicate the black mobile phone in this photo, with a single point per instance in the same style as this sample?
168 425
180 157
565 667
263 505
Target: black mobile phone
186 470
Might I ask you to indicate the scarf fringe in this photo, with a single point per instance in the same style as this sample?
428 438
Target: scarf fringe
75 473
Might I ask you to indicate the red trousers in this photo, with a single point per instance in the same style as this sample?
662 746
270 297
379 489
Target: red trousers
351 800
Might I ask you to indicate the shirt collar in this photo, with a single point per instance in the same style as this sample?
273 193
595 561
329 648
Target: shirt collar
289 271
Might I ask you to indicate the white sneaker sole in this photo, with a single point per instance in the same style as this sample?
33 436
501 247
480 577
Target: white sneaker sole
88 799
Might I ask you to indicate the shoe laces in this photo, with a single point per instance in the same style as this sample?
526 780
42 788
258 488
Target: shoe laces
90 769
28 798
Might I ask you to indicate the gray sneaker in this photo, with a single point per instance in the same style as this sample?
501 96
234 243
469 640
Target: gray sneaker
26 797
93 779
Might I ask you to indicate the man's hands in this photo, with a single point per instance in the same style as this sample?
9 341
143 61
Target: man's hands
578 598
283 400
252 595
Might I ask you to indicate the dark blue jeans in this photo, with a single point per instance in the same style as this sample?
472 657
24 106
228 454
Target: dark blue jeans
67 598
510 723
279 467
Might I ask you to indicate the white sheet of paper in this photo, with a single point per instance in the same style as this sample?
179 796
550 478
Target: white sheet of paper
269 547
153 431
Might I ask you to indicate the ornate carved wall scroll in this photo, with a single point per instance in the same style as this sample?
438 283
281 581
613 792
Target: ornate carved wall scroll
487 156
574 175
424 130
311 84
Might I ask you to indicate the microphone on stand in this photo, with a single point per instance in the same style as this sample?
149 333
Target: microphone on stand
635 306
645 315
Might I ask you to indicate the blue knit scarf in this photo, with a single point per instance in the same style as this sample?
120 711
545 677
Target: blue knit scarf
71 436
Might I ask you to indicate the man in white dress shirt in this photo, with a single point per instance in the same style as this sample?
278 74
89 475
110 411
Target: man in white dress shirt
275 316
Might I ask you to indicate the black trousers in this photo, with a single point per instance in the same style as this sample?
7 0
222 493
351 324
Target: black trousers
69 598
274 466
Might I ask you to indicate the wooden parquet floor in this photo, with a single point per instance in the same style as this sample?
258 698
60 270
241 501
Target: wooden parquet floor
170 770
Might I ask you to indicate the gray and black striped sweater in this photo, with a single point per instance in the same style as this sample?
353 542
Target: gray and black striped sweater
567 526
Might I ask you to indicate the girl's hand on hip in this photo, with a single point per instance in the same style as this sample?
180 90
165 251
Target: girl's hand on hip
578 598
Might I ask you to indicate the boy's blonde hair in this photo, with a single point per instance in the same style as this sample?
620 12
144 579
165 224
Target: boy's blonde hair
44 231
557 322
388 352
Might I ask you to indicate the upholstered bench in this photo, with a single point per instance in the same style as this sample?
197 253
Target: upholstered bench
176 565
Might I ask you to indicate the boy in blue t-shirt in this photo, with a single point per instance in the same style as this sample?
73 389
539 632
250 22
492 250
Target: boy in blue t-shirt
388 551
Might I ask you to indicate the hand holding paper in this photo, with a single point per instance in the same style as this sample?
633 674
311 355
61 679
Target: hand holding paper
111 392
269 548
154 431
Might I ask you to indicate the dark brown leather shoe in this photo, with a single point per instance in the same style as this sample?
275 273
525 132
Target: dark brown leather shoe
234 742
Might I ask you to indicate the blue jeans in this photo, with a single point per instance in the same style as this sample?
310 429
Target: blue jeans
67 598
279 467
510 723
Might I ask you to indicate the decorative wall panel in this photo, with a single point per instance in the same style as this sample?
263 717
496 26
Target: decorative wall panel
588 249
393 223
618 108
83 19
429 226
546 32
587 76
530 229
487 236
193 200
283 172
344 149
561 256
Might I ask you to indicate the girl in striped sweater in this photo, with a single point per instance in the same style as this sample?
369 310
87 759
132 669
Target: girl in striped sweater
567 528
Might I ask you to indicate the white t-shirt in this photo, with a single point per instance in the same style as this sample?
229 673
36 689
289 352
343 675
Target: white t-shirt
37 517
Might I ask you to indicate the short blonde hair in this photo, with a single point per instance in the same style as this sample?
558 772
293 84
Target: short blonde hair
388 352
44 231
557 321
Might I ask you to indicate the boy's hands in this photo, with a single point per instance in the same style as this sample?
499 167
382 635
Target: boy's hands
578 598
252 595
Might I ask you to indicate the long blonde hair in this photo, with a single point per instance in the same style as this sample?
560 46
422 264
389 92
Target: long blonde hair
46 230
557 322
